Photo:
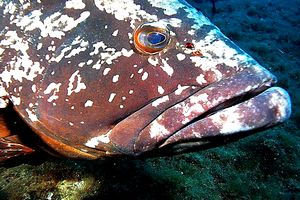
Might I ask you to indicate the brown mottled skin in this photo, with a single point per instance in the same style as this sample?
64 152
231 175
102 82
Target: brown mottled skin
73 73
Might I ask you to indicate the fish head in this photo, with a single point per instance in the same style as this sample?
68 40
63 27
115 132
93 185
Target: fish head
110 78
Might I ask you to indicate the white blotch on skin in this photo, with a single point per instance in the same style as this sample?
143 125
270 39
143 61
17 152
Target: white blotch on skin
160 100
153 60
160 89
111 97
22 67
39 46
115 78
180 89
180 56
229 122
281 103
222 53
97 47
200 79
78 84
199 98
145 76
3 102
54 89
167 68
75 4
3 92
88 103
157 130
92 143
28 22
54 26
115 33
175 22
130 92
89 62
33 88
31 115
195 108
140 71
51 48
97 65
16 100
170 7
105 71
9 8
81 64
191 32
108 54
61 55
125 10
127 53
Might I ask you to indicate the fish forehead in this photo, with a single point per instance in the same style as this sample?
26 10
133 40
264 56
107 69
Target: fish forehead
71 65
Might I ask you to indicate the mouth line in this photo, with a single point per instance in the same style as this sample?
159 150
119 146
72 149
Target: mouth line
226 104
201 104
206 141
254 114
172 117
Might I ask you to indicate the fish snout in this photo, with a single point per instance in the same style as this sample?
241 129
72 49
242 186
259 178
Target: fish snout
239 104
264 110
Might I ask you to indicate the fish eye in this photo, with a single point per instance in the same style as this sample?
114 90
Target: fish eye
151 38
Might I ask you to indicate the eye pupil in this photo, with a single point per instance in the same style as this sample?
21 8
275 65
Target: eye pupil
156 38
151 37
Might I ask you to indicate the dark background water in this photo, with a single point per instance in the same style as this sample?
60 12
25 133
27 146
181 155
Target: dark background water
262 166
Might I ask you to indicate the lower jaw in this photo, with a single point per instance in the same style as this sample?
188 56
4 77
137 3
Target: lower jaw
264 110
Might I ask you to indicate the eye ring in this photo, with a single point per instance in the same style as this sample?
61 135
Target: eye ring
151 38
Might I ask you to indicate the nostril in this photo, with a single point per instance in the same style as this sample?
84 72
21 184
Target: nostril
189 45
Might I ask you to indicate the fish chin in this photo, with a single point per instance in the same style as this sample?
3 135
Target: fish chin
203 117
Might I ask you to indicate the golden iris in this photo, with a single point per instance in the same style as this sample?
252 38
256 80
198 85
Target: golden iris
151 38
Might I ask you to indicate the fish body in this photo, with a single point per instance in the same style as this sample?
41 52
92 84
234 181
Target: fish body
109 78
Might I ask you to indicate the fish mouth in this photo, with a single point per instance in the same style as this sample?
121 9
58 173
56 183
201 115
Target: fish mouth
217 113
228 122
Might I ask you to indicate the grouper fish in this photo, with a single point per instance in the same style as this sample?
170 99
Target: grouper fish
105 78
